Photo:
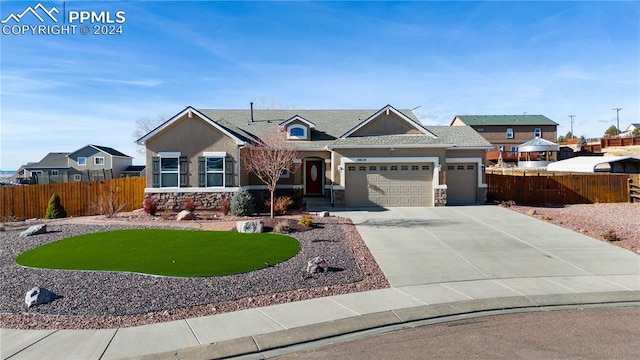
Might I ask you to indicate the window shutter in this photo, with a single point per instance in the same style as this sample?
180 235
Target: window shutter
228 171
155 171
202 171
184 172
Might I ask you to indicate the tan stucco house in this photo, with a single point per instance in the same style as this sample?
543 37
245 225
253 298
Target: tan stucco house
352 158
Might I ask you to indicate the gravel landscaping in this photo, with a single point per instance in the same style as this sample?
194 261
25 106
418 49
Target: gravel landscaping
109 299
617 223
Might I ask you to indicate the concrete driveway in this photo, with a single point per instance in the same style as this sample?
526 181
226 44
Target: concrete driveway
416 246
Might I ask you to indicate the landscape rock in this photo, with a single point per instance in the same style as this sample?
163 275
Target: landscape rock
249 226
317 265
323 214
2 227
39 295
34 230
185 215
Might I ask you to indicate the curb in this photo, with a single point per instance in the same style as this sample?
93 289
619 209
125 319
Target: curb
309 333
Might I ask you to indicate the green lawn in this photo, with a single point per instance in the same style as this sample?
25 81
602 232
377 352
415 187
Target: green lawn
181 253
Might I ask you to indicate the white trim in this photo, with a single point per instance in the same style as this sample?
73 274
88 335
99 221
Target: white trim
95 160
299 118
477 160
169 154
386 110
214 154
165 190
78 160
188 111
77 177
305 131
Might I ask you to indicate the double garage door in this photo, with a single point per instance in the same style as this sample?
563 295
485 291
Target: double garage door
389 184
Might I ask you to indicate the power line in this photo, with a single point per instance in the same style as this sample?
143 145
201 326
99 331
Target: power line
618 120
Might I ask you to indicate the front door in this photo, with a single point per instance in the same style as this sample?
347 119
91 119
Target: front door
313 177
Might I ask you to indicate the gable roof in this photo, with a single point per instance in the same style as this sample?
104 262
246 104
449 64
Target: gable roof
332 127
299 118
479 120
190 111
105 149
386 110
53 160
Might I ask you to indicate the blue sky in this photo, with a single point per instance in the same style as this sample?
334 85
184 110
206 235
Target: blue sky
61 92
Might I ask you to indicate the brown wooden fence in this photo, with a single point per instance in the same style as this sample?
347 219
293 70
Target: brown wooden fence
78 198
560 189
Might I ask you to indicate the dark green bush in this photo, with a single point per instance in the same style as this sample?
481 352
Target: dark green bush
55 210
242 203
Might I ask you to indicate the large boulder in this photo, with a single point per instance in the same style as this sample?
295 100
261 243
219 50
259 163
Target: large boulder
249 226
34 230
317 265
185 215
39 295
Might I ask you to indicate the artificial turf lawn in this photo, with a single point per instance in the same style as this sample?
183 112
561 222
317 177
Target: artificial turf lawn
182 253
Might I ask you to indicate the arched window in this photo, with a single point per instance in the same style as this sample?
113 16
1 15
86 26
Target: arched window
297 132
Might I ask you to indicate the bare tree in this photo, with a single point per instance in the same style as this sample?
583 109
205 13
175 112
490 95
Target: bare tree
271 157
144 125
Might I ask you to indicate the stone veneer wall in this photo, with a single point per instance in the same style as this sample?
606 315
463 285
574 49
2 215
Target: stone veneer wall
440 197
482 195
338 198
203 201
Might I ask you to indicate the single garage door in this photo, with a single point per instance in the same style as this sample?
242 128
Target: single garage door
462 183
394 184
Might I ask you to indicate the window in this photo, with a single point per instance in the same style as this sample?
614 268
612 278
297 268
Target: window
285 174
460 167
537 132
480 129
415 167
297 132
514 148
362 168
470 167
99 160
216 170
77 177
82 161
404 167
509 133
169 169
351 168
383 167
372 168
54 173
425 167
394 168
450 167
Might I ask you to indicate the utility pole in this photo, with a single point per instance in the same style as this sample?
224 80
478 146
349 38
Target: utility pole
617 119
572 116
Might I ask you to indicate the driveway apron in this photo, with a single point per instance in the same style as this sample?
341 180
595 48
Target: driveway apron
416 246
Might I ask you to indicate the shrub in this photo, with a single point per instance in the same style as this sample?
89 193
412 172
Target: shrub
225 206
189 205
282 203
242 203
281 228
110 205
508 203
306 221
611 235
150 205
55 210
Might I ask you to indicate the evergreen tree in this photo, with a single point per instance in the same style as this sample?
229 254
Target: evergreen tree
55 210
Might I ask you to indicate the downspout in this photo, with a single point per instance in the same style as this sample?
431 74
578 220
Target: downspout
240 166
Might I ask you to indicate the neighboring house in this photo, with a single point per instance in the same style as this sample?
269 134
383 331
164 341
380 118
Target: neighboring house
630 129
96 159
91 162
379 157
506 132
134 171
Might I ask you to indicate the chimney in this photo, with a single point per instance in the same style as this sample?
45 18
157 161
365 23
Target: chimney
251 104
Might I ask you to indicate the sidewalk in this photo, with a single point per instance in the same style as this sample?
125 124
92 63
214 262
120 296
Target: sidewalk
440 262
